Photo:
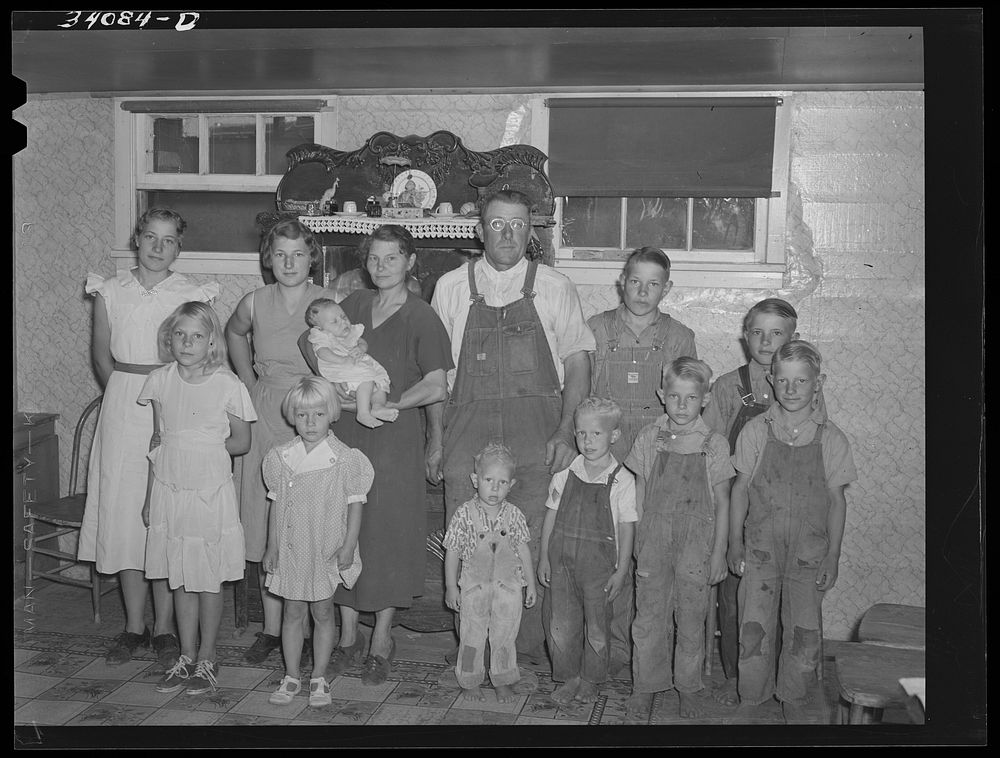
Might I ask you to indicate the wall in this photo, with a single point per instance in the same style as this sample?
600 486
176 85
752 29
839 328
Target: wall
856 265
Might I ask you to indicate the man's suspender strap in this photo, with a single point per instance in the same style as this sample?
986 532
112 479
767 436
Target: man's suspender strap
745 388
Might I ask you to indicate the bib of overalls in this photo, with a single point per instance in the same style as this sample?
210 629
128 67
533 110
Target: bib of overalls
504 350
678 494
584 521
789 500
748 410
494 560
631 373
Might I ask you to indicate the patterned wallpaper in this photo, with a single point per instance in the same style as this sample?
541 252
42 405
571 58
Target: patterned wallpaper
855 243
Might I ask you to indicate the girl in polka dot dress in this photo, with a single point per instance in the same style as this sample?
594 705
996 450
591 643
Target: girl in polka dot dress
317 485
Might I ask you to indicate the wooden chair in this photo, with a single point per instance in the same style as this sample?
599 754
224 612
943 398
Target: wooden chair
868 677
66 515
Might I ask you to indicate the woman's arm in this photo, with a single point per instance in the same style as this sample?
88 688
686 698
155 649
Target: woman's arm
434 444
237 329
433 388
100 342
238 441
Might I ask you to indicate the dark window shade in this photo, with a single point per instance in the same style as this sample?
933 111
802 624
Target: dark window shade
223 106
662 147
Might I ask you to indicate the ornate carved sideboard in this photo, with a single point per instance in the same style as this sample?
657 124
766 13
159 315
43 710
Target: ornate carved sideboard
317 173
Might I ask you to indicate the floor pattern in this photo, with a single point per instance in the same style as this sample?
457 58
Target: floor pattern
62 679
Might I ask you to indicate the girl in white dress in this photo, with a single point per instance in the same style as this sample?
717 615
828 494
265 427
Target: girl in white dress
128 310
318 486
342 357
201 417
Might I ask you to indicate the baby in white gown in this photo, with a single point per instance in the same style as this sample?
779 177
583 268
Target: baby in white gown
342 357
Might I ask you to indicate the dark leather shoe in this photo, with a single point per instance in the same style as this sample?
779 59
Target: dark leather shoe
123 645
376 668
343 658
167 649
259 651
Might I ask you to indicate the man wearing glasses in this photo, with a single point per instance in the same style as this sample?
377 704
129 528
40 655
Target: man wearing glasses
520 344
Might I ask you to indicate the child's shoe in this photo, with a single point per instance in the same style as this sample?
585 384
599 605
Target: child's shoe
286 691
123 645
203 679
175 676
319 692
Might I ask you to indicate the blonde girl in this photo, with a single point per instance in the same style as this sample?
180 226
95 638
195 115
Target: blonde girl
201 417
272 316
318 485
128 309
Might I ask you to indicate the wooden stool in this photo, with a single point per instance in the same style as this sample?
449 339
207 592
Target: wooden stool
892 625
869 676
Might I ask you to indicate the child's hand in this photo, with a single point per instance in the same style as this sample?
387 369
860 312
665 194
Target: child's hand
453 598
826 574
544 570
735 558
154 441
355 352
270 560
145 514
530 595
614 585
343 557
717 568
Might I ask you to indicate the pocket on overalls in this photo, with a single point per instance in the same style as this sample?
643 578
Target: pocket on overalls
480 346
813 546
519 353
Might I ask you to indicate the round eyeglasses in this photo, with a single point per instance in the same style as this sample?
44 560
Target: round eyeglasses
516 224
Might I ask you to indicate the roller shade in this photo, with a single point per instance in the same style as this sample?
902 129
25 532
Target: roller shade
662 147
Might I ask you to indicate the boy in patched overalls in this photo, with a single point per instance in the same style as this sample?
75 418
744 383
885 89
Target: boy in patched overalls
682 473
585 554
635 341
489 537
737 397
787 524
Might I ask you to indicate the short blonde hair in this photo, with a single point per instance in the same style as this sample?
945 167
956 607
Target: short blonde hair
603 407
310 392
688 368
495 452
798 350
204 314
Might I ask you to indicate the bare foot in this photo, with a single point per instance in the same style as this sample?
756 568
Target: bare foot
368 420
386 414
473 693
693 704
565 692
638 706
505 693
726 694
794 714
587 692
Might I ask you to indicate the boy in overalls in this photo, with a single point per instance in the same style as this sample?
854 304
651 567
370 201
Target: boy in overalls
682 473
489 537
737 397
634 343
787 524
585 553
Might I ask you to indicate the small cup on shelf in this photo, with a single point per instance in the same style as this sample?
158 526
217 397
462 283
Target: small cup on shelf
445 209
350 206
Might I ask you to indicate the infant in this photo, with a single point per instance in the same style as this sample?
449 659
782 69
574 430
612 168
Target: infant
342 358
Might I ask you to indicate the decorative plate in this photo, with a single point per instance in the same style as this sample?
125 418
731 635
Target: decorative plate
414 188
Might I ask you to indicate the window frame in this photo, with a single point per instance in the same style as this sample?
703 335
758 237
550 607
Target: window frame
132 177
761 268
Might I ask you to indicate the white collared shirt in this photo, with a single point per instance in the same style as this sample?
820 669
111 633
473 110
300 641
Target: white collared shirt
556 301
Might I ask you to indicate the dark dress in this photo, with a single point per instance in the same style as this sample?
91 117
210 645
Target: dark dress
409 344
